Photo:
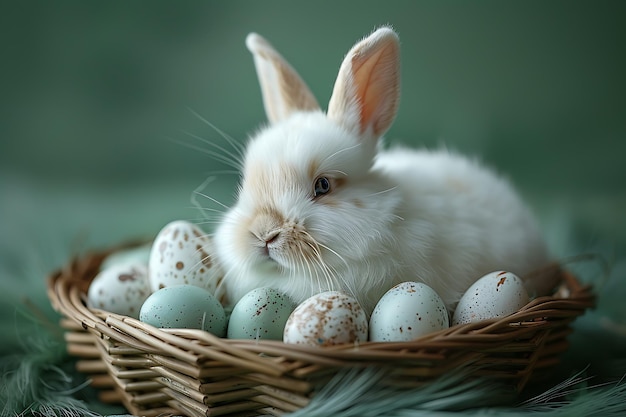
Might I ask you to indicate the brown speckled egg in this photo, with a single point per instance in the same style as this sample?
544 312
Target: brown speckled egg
325 319
497 294
120 288
181 255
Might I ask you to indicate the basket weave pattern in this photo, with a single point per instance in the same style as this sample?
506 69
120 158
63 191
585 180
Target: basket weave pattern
160 371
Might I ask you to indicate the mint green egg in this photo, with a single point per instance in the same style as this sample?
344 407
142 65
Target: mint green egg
260 314
184 307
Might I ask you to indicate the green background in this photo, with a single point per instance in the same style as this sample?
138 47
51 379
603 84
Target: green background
94 97
91 92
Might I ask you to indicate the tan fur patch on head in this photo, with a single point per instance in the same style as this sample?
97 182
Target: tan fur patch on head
256 180
287 171
339 182
313 169
328 200
271 214
457 184
264 182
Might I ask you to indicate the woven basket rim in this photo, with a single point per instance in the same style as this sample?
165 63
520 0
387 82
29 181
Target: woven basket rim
580 298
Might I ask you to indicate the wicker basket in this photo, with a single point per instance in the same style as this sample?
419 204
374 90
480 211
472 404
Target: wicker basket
161 371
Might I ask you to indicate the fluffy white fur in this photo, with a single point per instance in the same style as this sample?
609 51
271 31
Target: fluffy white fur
390 216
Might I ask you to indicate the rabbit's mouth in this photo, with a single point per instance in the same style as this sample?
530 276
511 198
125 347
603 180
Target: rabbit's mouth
286 245
290 249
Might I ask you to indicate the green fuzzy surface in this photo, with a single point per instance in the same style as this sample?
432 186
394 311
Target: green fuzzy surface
94 108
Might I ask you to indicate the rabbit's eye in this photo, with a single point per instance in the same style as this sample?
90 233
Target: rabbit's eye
322 186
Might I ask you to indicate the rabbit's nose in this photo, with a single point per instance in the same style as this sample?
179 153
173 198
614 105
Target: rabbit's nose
271 237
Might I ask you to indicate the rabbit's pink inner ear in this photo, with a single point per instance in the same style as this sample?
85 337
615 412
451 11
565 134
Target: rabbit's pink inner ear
367 91
377 82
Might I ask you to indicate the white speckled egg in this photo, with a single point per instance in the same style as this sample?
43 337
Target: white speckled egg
328 318
260 314
120 288
181 255
496 294
184 307
407 311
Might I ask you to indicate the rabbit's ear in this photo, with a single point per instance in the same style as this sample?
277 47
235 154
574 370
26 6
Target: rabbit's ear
367 91
282 88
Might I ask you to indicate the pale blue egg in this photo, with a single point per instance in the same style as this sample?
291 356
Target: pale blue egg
407 311
184 307
260 314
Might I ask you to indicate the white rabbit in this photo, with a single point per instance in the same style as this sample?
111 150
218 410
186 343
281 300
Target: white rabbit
321 207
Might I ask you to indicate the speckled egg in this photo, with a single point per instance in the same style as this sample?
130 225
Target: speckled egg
120 288
260 314
184 307
181 254
497 294
328 318
407 311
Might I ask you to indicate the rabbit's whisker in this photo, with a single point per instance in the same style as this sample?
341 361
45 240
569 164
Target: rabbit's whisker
212 210
215 155
340 151
238 147
207 221
212 199
226 156
382 192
